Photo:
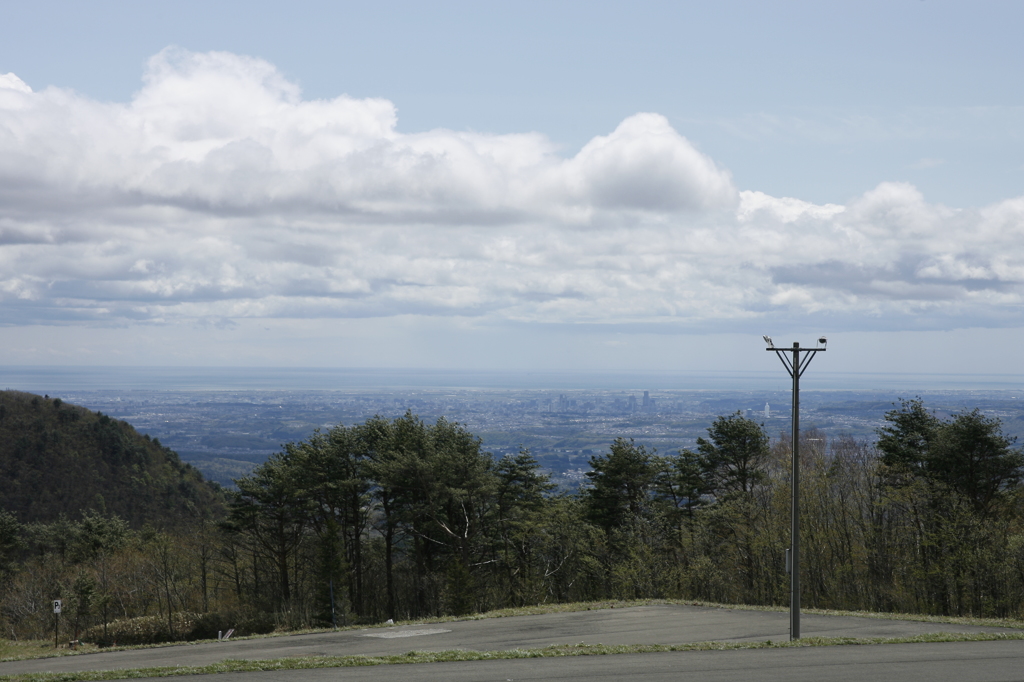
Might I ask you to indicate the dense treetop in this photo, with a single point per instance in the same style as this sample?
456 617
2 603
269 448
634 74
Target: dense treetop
966 455
58 459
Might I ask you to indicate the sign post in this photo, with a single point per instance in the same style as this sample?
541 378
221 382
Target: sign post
57 603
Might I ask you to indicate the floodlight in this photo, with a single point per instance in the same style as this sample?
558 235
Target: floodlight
823 340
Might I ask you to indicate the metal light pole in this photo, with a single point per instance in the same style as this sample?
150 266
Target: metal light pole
796 366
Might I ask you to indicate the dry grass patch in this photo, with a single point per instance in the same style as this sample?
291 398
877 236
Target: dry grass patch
16 651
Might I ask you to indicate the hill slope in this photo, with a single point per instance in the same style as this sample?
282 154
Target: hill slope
57 458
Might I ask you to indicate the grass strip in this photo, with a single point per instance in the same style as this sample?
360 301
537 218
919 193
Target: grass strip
314 662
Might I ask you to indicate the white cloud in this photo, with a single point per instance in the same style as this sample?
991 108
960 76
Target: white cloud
218 193
754 205
10 82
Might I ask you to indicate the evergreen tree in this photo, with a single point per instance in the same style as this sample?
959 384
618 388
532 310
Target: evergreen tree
733 456
519 524
270 506
621 483
971 456
905 442
967 455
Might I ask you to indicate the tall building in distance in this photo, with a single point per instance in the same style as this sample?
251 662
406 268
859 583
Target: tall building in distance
767 411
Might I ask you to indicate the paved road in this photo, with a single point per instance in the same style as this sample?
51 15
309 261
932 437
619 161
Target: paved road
663 624
949 662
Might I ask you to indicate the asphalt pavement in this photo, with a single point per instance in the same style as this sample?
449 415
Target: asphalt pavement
658 624
946 662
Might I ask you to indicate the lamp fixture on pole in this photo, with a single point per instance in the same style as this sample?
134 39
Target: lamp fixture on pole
795 365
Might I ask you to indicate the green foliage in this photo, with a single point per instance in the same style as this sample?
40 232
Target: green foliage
11 539
406 519
620 484
272 509
521 488
967 455
906 441
734 455
971 456
683 483
428 489
59 459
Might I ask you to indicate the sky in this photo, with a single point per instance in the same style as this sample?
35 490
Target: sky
582 186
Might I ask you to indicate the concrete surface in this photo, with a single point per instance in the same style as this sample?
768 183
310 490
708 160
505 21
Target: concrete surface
662 624
948 662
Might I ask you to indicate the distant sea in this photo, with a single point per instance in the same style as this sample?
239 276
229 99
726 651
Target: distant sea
55 380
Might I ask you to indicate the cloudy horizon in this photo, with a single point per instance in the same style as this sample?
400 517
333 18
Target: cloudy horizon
220 215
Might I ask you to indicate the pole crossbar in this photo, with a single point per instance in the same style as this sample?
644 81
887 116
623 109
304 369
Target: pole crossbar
788 364
795 367
785 361
807 361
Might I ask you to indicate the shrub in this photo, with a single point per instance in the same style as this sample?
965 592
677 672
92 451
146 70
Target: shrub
184 626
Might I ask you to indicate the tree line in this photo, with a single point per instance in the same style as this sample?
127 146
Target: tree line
399 518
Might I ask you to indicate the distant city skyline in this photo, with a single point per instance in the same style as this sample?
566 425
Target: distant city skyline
225 432
559 186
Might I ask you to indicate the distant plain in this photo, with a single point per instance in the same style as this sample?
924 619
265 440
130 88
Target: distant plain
225 421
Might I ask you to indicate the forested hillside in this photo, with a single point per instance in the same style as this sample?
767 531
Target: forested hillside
60 460
401 518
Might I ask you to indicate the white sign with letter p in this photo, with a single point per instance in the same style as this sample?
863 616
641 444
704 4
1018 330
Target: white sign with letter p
56 605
